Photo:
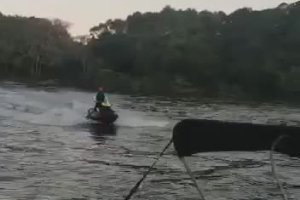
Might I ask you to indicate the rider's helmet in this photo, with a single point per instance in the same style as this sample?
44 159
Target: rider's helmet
100 89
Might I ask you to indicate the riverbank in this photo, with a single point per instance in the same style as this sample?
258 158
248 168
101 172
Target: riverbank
188 94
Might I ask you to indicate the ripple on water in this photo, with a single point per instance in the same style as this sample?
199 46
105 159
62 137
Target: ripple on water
49 151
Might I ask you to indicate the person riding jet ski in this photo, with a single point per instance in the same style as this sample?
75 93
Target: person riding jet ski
102 110
99 98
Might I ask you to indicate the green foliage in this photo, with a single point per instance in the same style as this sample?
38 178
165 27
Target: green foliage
35 48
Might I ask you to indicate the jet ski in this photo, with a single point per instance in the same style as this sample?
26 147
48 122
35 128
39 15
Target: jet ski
105 114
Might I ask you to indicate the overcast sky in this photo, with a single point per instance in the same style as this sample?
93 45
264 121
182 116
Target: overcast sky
83 14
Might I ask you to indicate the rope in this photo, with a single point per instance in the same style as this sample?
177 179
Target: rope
193 178
135 188
202 197
273 166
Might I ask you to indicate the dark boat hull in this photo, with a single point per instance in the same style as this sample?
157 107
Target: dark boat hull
197 135
105 116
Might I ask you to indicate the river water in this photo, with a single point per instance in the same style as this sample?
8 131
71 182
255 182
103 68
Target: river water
48 150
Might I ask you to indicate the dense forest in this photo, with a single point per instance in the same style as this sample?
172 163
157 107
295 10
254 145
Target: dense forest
252 54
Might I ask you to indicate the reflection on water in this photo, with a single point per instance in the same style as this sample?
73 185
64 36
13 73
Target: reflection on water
99 131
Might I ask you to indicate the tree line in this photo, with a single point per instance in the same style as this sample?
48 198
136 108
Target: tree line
243 54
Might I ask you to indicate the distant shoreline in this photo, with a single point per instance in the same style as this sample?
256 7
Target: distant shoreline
55 85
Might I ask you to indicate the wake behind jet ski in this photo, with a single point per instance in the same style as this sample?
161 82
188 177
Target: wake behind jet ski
102 111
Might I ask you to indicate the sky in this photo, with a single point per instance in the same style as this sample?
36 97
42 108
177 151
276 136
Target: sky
84 14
